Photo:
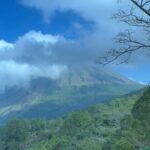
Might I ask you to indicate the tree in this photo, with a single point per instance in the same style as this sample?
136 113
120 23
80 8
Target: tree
16 133
123 144
139 17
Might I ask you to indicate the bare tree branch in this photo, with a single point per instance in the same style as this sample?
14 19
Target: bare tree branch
127 41
132 46
142 5
131 19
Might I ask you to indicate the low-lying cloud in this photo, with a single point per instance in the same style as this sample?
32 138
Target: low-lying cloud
28 58
36 55
15 74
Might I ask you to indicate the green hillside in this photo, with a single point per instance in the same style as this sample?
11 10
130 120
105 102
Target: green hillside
122 124
75 90
134 133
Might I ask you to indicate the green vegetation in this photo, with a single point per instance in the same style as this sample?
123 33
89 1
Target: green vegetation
97 128
135 127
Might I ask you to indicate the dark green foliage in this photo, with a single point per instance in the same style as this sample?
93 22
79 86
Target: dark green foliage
141 109
14 134
123 144
135 128
78 124
111 126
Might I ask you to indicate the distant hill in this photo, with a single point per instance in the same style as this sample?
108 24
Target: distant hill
74 90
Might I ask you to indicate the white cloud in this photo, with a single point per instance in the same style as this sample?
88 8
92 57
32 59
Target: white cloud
40 38
43 55
36 48
96 10
16 74
36 55
5 45
28 58
99 12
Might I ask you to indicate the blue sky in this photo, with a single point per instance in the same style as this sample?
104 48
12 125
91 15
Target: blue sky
52 35
17 20
140 73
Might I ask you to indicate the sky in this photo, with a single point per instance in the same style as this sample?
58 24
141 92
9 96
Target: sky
43 38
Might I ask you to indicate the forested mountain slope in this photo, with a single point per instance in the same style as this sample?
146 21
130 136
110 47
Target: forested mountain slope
118 125
135 128
74 90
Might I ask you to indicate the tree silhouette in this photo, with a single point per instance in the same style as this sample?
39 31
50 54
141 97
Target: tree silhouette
137 16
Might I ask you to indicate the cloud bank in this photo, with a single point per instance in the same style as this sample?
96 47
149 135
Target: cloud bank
28 58
15 74
35 54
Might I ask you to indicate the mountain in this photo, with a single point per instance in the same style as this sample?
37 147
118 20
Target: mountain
74 90
121 124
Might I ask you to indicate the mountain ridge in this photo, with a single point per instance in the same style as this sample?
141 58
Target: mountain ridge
74 90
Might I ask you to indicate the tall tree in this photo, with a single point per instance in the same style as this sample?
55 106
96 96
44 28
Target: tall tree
137 16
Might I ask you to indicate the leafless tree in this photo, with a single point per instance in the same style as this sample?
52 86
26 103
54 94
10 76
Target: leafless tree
137 16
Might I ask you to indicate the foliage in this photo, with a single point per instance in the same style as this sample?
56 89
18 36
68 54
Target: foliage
135 129
111 126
